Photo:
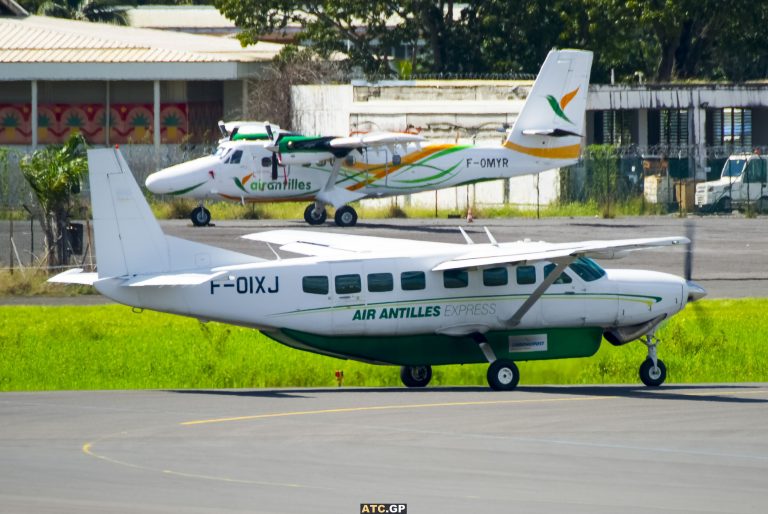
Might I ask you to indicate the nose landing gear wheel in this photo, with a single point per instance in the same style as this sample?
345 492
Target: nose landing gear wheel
345 216
312 217
653 376
200 216
416 376
503 375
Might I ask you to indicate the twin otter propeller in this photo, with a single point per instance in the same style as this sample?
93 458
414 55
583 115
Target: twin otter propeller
401 302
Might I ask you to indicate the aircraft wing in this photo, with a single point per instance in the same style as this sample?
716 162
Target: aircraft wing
375 139
328 244
490 255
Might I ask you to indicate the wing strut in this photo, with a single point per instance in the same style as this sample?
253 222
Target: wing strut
563 263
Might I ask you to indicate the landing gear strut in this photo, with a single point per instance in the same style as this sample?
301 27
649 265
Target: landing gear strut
200 216
416 376
653 372
315 214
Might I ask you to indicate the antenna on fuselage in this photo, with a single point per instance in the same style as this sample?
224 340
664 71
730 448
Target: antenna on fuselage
466 237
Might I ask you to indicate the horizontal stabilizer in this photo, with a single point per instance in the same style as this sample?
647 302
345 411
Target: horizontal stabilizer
552 132
75 276
172 279
512 253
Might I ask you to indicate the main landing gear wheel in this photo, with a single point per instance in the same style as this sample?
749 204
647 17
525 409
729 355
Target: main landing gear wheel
200 216
312 217
416 376
653 376
503 375
345 216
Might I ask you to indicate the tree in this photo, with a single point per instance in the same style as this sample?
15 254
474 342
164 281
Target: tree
361 30
54 174
104 11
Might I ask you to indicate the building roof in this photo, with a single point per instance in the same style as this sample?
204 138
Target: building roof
39 46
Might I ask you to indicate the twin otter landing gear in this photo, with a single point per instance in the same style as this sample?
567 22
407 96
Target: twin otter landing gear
200 216
316 215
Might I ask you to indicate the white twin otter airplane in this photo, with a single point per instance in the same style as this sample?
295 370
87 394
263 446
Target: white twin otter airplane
386 301
260 163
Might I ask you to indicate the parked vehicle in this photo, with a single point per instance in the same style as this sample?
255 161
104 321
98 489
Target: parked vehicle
742 183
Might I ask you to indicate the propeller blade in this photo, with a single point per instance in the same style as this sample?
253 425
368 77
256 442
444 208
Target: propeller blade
690 229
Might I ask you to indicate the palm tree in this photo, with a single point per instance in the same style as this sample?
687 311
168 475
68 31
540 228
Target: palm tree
54 174
104 11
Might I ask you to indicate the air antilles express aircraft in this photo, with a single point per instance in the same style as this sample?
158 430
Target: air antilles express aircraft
409 303
261 163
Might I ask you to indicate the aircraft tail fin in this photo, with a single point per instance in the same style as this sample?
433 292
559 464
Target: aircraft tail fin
550 126
128 238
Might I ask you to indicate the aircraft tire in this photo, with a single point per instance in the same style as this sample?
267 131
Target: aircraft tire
200 216
503 375
416 376
311 218
345 216
650 377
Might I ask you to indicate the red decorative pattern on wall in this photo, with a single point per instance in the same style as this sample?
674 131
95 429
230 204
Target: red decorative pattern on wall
129 123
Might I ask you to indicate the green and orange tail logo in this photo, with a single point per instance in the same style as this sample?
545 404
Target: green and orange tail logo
559 107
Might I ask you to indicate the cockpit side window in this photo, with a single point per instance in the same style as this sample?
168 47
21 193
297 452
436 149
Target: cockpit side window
587 269
236 156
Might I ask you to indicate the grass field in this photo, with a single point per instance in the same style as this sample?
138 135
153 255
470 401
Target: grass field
111 347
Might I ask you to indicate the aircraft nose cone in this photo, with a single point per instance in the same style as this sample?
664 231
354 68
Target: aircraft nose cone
695 291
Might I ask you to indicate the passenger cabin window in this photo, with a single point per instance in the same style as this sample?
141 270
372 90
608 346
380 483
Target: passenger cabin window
413 280
380 282
347 284
562 279
455 278
526 275
266 162
587 269
315 284
495 277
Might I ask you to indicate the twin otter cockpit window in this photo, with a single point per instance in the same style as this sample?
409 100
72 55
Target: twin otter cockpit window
587 269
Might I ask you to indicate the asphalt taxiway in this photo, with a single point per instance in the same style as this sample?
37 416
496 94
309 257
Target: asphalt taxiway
605 449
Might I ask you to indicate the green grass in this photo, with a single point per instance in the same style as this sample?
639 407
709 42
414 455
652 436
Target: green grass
110 347
33 282
180 209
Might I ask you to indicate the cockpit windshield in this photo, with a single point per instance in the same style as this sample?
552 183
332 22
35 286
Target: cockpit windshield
587 269
733 167
222 152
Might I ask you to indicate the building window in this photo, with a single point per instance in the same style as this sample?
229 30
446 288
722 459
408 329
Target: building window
455 278
673 127
617 127
347 284
380 282
495 277
413 280
316 284
732 127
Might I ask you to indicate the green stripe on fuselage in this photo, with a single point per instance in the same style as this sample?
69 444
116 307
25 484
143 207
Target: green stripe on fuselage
435 349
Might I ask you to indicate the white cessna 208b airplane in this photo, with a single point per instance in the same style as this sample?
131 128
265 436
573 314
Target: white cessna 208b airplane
260 163
386 301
